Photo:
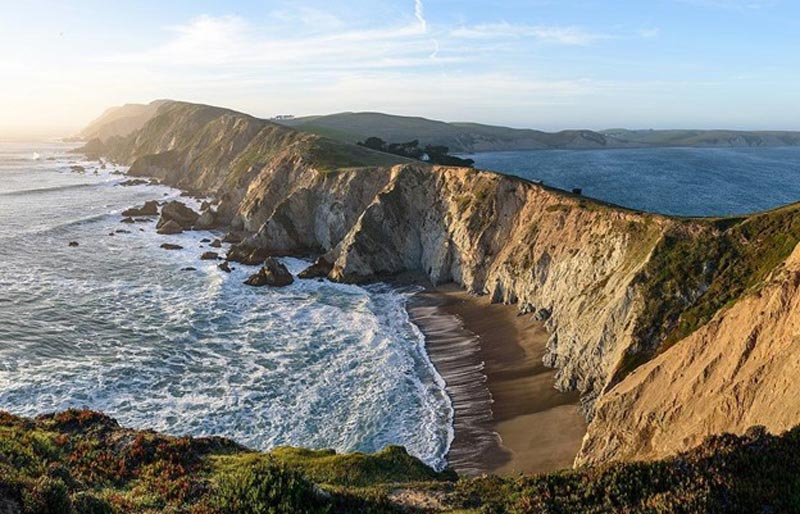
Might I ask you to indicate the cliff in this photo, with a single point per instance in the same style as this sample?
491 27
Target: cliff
618 288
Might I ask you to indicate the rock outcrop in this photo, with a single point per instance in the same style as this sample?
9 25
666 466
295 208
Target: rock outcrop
273 273
171 227
150 208
178 213
620 290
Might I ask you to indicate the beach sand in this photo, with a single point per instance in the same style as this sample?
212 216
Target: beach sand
508 417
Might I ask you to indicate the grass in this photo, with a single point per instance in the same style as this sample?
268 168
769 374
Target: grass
81 462
696 272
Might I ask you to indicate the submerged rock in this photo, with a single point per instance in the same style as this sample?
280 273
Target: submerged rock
73 244
273 273
149 208
170 246
127 220
170 228
133 182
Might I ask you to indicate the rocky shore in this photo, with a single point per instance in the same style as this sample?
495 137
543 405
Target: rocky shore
616 289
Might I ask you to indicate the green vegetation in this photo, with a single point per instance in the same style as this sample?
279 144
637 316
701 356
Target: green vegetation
698 270
328 155
81 462
434 154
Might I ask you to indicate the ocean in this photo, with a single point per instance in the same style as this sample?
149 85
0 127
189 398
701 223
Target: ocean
677 181
115 325
118 324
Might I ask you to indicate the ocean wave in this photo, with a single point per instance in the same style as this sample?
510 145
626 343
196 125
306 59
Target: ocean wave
51 189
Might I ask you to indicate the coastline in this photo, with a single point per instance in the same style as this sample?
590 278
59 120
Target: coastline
508 417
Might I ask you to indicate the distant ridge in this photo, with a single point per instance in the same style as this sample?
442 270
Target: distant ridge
706 138
458 137
462 138
120 120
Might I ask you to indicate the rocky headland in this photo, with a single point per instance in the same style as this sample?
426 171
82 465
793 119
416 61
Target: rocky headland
671 329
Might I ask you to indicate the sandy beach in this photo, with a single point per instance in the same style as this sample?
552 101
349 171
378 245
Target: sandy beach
508 417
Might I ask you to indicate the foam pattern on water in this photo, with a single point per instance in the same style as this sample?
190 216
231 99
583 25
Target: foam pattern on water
116 325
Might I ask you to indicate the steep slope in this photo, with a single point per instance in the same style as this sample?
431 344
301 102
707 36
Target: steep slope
351 127
736 371
618 288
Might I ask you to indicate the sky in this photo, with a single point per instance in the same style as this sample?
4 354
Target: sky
523 63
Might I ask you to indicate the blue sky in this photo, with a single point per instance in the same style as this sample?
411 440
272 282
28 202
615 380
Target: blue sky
535 63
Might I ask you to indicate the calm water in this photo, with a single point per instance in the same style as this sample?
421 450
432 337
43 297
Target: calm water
115 325
681 181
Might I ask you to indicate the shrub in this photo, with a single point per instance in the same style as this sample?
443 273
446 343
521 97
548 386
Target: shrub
48 496
268 488
87 503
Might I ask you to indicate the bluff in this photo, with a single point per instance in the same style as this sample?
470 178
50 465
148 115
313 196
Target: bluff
621 290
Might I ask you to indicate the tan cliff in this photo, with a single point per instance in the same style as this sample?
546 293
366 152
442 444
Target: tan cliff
739 370
617 287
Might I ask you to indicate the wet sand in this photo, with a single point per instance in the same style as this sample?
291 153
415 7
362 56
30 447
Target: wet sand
508 417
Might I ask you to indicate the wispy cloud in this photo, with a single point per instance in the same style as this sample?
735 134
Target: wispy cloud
563 35
732 4
419 14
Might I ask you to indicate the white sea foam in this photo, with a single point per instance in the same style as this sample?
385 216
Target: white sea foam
115 325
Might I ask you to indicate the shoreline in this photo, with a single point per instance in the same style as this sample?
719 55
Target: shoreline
508 417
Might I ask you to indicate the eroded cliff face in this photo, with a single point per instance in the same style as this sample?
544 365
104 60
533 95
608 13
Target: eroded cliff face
737 371
617 287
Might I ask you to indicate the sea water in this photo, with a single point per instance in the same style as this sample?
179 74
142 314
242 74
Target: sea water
678 181
116 324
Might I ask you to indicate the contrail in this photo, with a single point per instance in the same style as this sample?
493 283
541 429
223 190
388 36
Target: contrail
419 13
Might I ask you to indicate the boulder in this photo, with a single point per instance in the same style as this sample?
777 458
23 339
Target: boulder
216 243
209 256
73 244
224 266
321 268
207 220
247 255
273 273
169 228
179 213
170 246
205 240
148 209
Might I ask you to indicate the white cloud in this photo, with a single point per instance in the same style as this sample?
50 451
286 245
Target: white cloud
419 14
563 35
